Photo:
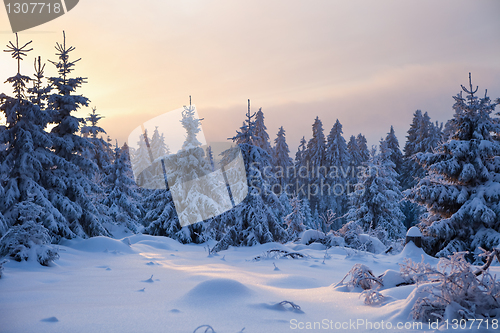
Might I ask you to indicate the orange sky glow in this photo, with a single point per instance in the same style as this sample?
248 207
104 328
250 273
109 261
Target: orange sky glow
370 64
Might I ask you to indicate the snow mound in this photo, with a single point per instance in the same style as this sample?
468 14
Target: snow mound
374 245
310 236
411 251
414 232
217 290
98 244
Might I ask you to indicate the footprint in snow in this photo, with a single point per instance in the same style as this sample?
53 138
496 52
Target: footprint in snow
50 320
142 290
108 269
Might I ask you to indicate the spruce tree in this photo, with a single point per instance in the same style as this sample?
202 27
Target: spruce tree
261 138
363 147
71 191
123 199
375 203
282 161
337 161
395 153
461 191
295 219
315 156
29 220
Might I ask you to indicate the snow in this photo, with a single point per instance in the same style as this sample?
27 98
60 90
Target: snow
414 232
156 284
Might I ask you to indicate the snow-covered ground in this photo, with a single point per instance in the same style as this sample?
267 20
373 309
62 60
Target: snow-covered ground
154 284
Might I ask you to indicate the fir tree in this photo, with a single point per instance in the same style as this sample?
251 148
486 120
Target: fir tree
423 136
71 191
355 161
261 138
99 151
461 191
316 148
295 220
282 161
363 148
123 199
375 203
337 159
395 153
26 204
300 176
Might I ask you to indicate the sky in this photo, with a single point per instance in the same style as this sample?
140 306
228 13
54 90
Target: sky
370 64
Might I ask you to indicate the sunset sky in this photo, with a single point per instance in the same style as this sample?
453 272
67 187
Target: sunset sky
370 64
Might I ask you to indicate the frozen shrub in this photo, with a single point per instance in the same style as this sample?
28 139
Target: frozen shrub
361 276
373 297
456 291
29 240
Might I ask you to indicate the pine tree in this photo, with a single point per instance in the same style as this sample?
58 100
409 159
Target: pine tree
395 153
363 147
461 191
315 156
261 138
355 161
72 189
123 199
282 161
26 205
99 151
246 134
253 221
375 203
337 160
423 136
295 220
300 176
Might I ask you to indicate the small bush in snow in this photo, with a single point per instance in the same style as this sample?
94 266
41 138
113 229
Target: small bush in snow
278 254
456 291
30 240
373 297
361 276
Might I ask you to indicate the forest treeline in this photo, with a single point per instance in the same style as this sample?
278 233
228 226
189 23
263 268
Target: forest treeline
60 179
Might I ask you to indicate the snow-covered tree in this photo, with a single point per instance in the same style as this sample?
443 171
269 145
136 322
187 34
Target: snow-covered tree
123 198
71 189
282 161
462 189
423 136
337 160
363 147
27 161
300 177
246 134
395 153
295 220
261 138
254 220
316 148
375 203
99 152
